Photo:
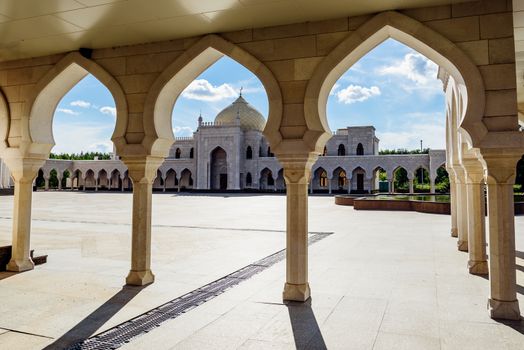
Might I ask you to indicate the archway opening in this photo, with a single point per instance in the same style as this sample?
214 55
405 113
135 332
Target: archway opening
218 170
371 108
421 180
401 181
442 180
380 180
225 107
80 129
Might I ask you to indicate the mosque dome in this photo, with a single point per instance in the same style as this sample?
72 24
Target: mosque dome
250 118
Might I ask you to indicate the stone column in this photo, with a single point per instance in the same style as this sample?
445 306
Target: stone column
23 171
453 202
348 180
296 173
122 184
501 171
59 183
391 187
462 209
411 191
46 180
142 171
478 261
329 185
431 185
164 184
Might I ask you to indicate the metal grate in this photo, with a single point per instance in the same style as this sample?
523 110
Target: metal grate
117 336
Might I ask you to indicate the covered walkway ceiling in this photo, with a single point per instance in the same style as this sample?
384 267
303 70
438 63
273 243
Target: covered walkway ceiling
518 25
30 28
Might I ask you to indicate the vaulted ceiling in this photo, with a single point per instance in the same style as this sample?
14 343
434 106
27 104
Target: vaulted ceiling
31 28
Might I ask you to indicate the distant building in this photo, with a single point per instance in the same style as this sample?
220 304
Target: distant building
231 153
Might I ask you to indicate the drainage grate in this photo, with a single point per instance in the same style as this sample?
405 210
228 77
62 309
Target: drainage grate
117 336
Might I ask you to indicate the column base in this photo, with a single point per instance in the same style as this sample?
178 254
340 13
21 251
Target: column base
504 310
454 232
462 246
296 292
478 267
140 278
20 265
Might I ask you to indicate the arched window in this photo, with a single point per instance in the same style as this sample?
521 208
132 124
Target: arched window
323 179
270 180
342 179
249 180
249 153
269 154
177 153
192 153
260 152
360 150
341 150
325 151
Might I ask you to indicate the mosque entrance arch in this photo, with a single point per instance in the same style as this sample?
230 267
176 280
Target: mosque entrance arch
218 173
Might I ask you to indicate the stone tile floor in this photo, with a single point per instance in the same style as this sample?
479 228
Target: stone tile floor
383 280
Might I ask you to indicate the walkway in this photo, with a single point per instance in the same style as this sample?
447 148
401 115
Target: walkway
382 280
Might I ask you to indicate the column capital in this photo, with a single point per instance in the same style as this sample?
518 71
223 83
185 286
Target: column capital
142 169
501 164
474 170
297 168
24 169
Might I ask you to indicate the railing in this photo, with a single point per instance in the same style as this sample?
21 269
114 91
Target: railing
184 138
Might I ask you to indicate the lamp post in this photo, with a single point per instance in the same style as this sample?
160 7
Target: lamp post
421 170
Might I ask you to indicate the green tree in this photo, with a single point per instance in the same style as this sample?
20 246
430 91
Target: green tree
442 181
401 181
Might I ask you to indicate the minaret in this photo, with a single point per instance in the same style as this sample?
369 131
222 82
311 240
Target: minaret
200 119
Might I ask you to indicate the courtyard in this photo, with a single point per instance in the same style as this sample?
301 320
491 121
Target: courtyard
379 280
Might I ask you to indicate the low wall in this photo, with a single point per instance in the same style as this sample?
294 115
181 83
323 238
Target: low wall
363 203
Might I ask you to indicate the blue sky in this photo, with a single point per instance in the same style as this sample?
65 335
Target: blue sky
392 87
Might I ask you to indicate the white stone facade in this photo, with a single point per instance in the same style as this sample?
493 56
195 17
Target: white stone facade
232 154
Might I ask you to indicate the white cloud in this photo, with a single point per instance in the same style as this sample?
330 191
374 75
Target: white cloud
182 131
418 70
108 110
80 103
203 90
432 135
67 111
104 147
74 138
356 93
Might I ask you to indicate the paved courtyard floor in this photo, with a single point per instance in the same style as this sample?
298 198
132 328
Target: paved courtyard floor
381 280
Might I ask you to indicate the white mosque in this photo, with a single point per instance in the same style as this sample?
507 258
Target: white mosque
232 154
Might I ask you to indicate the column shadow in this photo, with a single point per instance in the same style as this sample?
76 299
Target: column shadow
518 326
6 274
89 325
306 331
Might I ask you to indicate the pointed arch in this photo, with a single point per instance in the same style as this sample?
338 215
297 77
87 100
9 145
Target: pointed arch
341 151
360 149
173 80
54 85
412 33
